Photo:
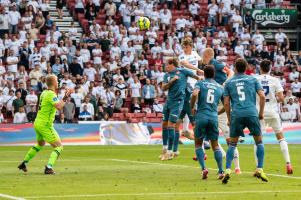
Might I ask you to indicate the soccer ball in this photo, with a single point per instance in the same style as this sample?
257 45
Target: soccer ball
143 23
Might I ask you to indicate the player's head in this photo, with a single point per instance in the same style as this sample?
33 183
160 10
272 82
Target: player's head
241 65
265 66
51 82
187 45
208 54
209 71
172 63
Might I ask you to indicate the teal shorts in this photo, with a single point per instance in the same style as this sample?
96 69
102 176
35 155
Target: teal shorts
172 110
206 128
238 124
186 111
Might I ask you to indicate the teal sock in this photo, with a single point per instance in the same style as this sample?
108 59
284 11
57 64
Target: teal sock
219 160
176 142
260 155
171 137
32 152
230 155
165 136
200 155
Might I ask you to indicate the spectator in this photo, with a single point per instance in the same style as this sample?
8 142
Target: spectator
61 119
12 62
157 107
135 107
35 76
78 98
296 88
31 99
1 118
59 7
194 10
122 88
69 110
258 39
148 93
285 114
32 114
118 101
85 115
293 109
110 8
213 10
100 114
14 19
281 38
4 26
20 116
108 101
293 75
89 106
165 18
75 68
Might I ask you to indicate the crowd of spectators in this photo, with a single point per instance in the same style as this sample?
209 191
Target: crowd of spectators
114 67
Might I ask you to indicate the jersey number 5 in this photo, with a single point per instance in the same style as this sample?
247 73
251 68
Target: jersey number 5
241 93
210 96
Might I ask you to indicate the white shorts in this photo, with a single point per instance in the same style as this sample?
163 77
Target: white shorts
273 120
223 124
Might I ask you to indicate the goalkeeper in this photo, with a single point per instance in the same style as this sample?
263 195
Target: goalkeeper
43 125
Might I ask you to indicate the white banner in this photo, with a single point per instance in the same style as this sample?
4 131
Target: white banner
124 134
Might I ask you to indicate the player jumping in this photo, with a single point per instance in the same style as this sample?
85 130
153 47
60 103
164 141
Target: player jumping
241 90
208 93
273 95
175 81
43 125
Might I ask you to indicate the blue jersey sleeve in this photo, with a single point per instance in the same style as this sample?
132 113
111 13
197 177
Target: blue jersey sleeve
187 72
257 85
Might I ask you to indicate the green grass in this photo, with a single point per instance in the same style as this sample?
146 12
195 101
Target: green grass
136 170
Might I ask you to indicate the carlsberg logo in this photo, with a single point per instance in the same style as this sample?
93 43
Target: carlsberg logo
270 17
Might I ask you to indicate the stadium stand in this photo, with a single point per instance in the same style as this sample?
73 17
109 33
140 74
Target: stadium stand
95 48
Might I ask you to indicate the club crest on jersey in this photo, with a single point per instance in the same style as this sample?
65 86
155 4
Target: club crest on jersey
178 72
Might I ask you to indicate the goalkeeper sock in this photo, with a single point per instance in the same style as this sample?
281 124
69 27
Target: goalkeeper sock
200 155
54 156
218 155
284 149
171 137
165 136
230 155
176 142
260 155
32 152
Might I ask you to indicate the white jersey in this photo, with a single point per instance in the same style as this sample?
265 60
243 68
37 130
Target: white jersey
193 59
271 86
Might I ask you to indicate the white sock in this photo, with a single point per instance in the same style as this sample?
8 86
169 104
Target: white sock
222 150
255 155
284 149
236 159
165 147
186 123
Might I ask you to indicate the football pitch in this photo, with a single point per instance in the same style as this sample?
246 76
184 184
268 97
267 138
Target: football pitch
135 172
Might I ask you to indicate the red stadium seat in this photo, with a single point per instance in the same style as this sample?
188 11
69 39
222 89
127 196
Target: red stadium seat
150 115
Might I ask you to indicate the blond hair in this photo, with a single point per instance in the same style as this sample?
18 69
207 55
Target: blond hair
50 80
187 41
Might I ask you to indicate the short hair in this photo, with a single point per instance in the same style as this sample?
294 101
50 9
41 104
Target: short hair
241 65
187 41
209 71
49 80
173 61
265 65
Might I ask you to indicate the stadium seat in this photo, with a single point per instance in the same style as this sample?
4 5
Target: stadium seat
150 115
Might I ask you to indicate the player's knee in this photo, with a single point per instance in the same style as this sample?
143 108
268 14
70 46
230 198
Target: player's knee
41 143
214 145
164 124
198 142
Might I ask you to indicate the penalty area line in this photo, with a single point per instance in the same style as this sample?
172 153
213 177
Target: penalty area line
165 194
5 196
188 166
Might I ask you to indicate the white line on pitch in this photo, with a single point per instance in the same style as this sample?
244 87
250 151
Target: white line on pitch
11 197
174 165
165 194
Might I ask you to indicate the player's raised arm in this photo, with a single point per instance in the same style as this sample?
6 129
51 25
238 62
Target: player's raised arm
166 86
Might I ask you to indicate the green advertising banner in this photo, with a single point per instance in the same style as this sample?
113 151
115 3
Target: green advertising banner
275 17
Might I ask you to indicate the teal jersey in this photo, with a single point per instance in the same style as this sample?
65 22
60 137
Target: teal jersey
188 92
242 90
209 97
220 75
177 90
